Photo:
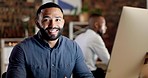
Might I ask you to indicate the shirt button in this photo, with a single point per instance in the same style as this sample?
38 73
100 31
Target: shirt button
52 64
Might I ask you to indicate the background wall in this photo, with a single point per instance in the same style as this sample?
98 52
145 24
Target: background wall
12 12
111 9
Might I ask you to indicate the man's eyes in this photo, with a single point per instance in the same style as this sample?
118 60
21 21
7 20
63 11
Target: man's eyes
44 20
58 19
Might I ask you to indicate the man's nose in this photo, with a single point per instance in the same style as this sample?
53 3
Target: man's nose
105 27
51 23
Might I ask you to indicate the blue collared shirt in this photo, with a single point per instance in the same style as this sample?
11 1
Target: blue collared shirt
33 58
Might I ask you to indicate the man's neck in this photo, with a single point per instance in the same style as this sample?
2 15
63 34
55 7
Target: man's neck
52 43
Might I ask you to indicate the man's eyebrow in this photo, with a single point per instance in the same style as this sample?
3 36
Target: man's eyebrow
50 17
58 17
46 17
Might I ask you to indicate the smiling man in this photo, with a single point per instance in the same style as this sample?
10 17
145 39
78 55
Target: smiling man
47 54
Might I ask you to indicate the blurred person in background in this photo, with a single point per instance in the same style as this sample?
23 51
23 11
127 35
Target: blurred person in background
93 47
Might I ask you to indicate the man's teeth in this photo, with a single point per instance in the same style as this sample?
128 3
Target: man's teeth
53 30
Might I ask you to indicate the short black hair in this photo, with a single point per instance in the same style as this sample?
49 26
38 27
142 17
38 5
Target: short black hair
95 15
48 5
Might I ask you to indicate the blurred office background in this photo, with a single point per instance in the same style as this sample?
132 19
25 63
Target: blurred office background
17 20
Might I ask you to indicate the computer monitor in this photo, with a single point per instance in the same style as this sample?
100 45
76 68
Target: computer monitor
131 44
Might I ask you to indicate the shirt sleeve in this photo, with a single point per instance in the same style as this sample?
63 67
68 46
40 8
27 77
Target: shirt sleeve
16 67
99 48
81 70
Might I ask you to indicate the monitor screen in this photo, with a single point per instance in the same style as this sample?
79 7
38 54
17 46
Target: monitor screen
131 44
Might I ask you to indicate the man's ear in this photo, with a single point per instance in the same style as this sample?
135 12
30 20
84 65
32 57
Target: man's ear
96 25
37 23
63 20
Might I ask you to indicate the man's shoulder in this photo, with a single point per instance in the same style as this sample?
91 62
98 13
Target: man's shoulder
68 41
26 41
64 38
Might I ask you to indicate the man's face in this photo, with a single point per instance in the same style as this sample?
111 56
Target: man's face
102 25
51 22
103 28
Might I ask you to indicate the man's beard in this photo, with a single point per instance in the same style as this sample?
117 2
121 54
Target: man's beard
100 33
50 37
